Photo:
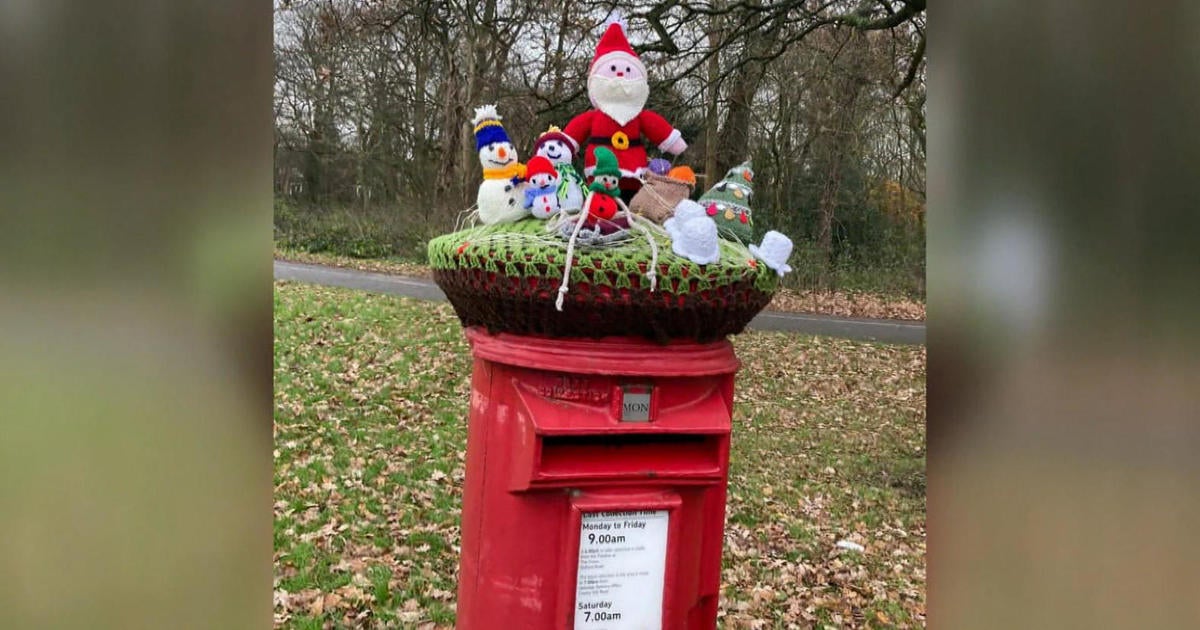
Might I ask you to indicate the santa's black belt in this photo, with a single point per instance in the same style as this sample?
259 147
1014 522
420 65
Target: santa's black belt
607 141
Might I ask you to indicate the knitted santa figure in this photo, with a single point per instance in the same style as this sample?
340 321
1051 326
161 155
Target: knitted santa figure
541 195
500 194
618 88
556 146
728 203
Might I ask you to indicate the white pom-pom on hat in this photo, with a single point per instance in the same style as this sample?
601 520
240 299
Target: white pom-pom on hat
615 17
485 112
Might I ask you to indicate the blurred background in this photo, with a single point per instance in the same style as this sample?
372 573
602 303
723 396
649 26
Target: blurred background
374 152
135 315
1064 412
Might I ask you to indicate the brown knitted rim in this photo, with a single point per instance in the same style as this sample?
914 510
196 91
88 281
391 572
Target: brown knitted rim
519 305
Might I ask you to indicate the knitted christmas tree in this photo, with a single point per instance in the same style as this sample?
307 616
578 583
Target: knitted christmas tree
728 202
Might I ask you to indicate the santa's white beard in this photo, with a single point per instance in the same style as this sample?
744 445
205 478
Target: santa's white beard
622 99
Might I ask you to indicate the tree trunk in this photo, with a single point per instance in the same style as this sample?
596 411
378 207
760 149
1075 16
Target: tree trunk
735 133
419 141
466 110
713 93
826 209
448 183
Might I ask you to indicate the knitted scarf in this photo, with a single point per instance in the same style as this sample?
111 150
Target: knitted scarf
568 176
567 172
532 193
516 169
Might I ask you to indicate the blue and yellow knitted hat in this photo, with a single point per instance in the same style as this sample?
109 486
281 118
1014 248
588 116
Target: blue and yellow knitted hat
487 127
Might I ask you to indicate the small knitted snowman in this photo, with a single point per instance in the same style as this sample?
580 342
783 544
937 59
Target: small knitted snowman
774 251
693 233
728 203
500 194
541 194
605 187
556 146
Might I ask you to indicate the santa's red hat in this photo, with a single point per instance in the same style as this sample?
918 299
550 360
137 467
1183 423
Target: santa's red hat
614 47
539 165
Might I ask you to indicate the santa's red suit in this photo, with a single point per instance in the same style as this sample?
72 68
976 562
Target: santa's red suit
594 128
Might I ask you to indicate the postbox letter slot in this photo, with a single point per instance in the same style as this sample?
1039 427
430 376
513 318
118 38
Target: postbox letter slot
572 458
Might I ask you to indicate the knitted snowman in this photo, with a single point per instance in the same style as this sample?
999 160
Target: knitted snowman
500 194
774 251
605 187
541 194
728 203
693 233
556 146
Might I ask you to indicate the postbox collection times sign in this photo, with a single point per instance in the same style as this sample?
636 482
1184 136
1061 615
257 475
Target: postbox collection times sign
621 571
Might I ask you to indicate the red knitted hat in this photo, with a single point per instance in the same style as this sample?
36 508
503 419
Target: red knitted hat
539 165
613 46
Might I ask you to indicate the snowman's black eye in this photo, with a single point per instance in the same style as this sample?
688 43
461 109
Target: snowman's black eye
627 69
613 68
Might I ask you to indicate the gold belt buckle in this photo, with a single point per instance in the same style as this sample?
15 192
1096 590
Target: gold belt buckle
620 141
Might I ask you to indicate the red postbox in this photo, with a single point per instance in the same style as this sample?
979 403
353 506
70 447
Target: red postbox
595 483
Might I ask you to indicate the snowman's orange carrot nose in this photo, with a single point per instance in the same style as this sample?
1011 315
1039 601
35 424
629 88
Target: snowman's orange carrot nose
502 153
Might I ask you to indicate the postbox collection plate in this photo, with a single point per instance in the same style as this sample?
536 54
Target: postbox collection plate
622 566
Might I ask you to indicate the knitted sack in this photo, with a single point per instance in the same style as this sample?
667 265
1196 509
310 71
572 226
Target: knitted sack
657 198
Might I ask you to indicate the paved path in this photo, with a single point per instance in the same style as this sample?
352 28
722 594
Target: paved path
885 330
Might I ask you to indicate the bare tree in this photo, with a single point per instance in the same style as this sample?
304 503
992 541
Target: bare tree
373 99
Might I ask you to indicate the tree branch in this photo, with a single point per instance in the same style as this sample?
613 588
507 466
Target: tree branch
917 57
859 19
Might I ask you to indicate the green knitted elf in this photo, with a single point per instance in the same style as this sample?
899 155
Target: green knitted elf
728 203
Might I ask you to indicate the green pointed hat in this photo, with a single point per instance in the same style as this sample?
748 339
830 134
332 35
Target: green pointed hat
606 163
731 198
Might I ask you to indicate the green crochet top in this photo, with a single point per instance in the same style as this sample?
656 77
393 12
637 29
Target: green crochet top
524 249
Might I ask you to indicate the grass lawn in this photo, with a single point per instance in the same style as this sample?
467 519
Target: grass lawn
371 396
